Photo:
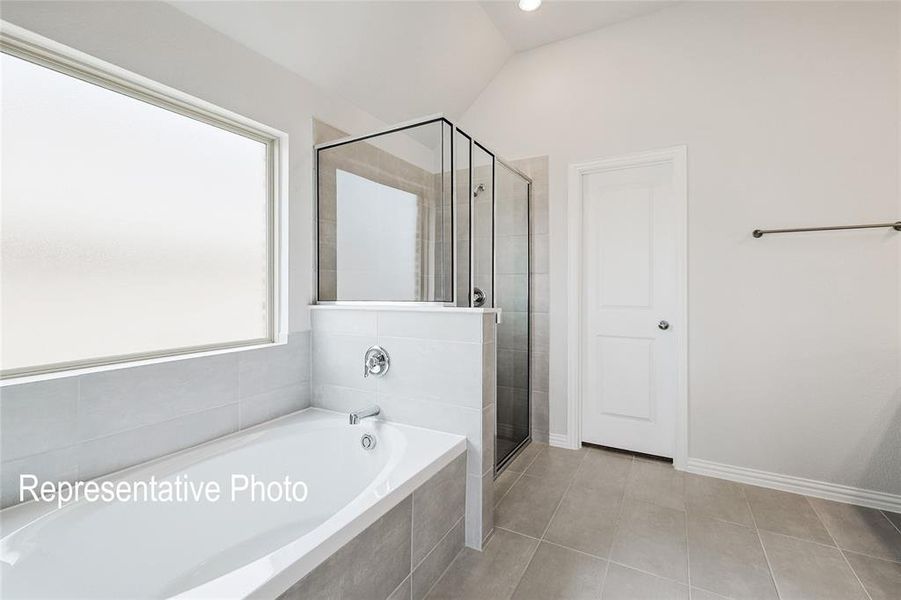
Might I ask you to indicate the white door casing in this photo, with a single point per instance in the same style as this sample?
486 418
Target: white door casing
627 379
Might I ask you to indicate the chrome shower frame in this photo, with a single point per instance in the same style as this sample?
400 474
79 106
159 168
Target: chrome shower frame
456 186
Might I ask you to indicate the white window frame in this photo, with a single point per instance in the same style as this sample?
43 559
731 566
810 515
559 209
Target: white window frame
29 46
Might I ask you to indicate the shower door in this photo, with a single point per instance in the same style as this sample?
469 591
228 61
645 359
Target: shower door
511 295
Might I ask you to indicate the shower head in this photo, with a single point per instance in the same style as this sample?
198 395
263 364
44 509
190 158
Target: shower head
479 189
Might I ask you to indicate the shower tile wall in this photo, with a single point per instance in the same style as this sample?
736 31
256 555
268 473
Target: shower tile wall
89 425
537 169
441 377
511 295
370 162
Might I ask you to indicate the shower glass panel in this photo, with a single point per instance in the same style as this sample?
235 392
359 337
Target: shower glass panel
424 213
385 225
512 297
482 190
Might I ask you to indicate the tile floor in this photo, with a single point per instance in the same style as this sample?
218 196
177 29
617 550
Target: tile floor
596 524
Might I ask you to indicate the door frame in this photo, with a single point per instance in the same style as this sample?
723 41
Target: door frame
677 156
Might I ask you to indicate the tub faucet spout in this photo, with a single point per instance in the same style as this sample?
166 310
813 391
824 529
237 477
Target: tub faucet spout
359 415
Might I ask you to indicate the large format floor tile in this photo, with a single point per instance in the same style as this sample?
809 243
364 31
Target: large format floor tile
492 573
503 484
728 559
807 570
556 464
657 483
557 572
717 498
789 514
859 529
603 469
586 519
605 525
529 505
881 578
623 583
652 538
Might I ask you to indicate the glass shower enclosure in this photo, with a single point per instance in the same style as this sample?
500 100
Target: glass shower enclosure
455 219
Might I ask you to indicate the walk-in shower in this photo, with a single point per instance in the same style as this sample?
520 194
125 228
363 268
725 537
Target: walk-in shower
424 213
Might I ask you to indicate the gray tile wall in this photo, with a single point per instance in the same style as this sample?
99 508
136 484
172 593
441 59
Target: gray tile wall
401 555
442 377
88 425
537 169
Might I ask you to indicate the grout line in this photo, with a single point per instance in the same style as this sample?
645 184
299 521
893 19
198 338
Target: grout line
440 577
830 546
840 551
437 579
711 592
622 509
598 557
504 495
892 523
688 551
156 423
534 458
576 550
572 478
410 577
766 557
541 539
526 535
433 548
528 563
856 576
604 577
412 525
670 579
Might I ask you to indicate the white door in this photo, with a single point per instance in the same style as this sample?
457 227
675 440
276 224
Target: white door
630 307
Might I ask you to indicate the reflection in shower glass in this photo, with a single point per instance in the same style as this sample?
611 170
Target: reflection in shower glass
385 217
512 296
375 255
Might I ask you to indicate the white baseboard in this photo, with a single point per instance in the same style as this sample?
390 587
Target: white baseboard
797 485
558 440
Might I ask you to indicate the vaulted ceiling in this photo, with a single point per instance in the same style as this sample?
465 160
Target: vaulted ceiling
401 60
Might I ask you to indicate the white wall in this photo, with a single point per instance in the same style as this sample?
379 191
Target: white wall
791 113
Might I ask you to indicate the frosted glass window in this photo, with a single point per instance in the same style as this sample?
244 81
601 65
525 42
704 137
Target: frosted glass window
128 230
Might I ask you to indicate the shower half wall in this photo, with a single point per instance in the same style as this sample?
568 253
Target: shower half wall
424 213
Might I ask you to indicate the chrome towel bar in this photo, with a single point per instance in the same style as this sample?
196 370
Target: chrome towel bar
761 232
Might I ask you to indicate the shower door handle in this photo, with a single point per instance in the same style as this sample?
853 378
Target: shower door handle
478 297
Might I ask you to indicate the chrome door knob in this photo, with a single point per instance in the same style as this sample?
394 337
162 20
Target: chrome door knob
664 325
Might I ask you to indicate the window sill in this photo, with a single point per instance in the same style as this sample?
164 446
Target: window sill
10 381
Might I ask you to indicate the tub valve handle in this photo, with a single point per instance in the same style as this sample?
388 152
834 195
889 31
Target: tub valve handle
376 361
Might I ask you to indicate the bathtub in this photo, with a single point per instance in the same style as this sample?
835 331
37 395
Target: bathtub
249 547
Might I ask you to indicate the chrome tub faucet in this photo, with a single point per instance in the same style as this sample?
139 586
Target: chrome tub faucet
359 415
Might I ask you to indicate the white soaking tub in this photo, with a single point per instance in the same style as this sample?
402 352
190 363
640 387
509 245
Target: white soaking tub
223 549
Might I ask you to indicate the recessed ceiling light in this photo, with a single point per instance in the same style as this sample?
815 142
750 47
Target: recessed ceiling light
529 5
